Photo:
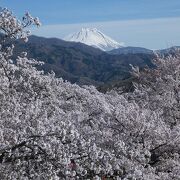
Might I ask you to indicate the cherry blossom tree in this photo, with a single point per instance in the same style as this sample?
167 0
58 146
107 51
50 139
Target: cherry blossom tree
52 129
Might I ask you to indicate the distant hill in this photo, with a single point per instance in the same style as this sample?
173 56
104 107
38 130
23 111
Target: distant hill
167 51
80 63
131 50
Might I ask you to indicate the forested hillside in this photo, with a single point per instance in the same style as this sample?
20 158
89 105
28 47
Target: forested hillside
79 63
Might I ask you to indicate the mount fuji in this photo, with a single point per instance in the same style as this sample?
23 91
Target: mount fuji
95 38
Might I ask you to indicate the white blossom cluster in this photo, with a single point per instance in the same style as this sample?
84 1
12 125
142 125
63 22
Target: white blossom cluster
52 129
14 28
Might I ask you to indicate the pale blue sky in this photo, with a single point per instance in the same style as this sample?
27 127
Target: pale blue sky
149 23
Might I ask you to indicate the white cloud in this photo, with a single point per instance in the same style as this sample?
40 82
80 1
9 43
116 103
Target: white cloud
150 33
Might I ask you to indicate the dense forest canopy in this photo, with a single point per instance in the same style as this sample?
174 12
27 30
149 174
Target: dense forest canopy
52 129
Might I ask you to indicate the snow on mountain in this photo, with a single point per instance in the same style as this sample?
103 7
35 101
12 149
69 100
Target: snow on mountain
95 38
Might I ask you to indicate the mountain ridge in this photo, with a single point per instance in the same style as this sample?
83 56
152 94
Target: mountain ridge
80 63
131 50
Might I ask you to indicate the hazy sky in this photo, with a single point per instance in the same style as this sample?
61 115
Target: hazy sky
149 23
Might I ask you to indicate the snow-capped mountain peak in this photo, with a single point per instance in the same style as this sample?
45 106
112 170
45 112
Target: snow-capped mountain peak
95 38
